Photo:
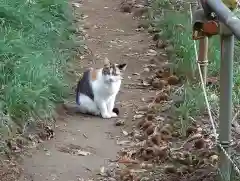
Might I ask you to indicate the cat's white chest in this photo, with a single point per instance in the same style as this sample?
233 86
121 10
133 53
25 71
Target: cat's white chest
113 88
106 90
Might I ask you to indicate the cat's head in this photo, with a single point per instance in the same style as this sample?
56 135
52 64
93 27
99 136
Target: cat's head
112 72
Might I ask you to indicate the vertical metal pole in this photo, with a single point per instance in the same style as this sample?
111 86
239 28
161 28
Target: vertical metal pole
226 83
203 57
146 2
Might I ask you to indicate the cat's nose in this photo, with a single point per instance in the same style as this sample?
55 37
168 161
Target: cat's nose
111 80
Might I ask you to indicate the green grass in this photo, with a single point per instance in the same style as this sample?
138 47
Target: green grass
35 43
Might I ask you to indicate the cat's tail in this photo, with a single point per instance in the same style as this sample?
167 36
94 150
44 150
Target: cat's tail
77 93
73 109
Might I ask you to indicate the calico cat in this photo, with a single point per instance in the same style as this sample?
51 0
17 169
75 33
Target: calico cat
97 90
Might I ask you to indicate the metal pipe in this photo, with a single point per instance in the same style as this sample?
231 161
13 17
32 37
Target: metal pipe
226 16
225 117
146 3
203 57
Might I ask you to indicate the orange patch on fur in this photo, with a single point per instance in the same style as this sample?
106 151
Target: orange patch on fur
94 74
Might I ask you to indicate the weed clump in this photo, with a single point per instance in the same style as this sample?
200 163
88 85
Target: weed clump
35 43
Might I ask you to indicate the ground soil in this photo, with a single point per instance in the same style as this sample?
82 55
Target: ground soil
111 34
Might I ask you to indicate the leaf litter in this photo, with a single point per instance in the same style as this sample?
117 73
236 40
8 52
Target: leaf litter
74 150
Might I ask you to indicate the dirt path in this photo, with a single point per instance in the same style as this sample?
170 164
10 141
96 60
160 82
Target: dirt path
111 34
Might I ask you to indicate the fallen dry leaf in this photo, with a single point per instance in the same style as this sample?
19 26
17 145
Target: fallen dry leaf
159 84
190 130
77 5
85 135
83 153
125 132
170 169
146 125
48 153
123 142
138 116
146 69
126 8
137 170
145 83
140 112
173 80
126 160
199 143
152 52
141 144
136 74
150 130
160 118
161 44
139 29
214 159
120 122
146 165
194 137
102 171
212 81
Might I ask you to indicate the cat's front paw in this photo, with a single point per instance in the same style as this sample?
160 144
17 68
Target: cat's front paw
113 115
106 116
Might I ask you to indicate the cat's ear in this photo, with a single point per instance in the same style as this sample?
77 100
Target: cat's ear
106 62
122 67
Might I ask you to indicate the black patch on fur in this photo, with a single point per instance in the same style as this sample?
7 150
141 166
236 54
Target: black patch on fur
116 110
106 70
84 87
